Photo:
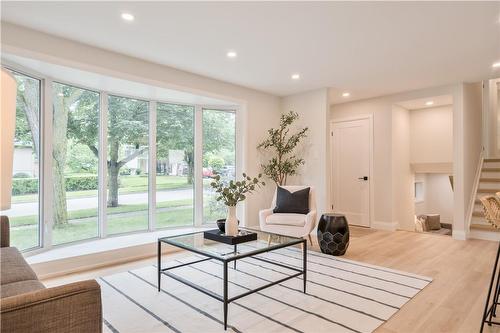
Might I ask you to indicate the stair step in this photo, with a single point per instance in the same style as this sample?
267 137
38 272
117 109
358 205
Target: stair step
478 214
488 190
483 227
492 159
489 180
490 169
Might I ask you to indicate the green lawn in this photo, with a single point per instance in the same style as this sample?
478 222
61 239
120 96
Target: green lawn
26 238
124 218
17 221
128 184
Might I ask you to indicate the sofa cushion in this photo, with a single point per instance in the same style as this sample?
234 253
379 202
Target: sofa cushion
20 287
13 267
298 220
292 202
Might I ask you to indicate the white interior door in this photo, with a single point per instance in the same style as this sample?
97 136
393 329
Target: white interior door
350 145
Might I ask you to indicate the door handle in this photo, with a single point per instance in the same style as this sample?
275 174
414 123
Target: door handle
363 178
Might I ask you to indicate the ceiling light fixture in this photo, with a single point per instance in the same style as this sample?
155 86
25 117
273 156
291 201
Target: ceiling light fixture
346 94
128 17
496 65
429 103
295 76
231 54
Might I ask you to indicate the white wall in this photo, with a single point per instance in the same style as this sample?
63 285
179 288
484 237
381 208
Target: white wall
491 118
259 111
438 196
381 109
313 109
468 147
403 208
431 131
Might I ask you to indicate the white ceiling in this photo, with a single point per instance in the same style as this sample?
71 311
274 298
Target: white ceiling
367 48
416 104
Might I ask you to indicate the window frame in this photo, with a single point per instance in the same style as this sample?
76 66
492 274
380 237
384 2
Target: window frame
45 164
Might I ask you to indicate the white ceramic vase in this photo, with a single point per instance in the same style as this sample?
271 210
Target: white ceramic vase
231 221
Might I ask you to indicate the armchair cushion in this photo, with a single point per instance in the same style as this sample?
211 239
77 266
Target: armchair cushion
296 202
287 219
20 287
13 266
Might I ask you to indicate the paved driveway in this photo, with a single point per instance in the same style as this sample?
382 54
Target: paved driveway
31 208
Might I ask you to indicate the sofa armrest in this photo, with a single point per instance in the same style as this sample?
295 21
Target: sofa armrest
4 231
310 222
263 214
75 307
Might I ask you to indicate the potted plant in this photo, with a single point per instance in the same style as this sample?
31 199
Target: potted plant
284 163
232 192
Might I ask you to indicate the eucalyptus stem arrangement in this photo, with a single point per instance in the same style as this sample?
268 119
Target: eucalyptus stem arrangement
235 191
279 142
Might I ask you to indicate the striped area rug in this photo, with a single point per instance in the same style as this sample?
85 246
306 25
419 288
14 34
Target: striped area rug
342 296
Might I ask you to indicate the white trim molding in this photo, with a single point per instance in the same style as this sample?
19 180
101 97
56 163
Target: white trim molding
385 225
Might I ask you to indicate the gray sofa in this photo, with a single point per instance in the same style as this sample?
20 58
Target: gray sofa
26 305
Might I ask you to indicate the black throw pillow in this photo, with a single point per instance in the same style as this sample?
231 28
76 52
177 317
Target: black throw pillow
288 202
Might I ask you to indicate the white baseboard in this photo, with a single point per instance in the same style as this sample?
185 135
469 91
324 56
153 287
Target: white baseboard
459 234
381 225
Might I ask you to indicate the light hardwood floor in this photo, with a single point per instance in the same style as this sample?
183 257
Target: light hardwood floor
453 302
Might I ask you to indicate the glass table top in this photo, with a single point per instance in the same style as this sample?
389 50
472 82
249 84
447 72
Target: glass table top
197 243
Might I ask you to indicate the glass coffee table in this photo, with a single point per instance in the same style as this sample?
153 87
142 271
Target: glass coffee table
225 253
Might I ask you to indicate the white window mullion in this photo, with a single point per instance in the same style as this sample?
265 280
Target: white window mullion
198 166
103 164
46 178
152 167
240 165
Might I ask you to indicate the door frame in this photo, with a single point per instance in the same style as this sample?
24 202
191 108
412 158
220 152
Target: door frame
334 121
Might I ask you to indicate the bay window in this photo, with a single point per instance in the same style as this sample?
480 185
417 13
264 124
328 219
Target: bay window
219 157
116 164
25 210
127 164
75 146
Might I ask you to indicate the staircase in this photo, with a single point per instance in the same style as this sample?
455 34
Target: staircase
489 184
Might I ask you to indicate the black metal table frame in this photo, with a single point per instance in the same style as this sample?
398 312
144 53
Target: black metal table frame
225 299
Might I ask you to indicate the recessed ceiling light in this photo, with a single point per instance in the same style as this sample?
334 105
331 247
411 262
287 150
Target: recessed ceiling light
128 17
295 76
496 65
231 54
429 103
346 94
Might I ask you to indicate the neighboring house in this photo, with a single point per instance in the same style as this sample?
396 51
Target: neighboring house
24 161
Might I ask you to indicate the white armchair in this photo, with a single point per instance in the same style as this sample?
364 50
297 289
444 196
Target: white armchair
295 225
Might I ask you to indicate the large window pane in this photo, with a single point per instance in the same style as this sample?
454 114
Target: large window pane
127 165
218 157
75 163
24 212
174 165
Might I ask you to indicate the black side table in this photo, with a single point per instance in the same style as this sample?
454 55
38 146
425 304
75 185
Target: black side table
333 234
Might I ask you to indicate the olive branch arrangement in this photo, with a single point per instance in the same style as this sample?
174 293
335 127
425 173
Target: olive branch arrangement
284 163
235 191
